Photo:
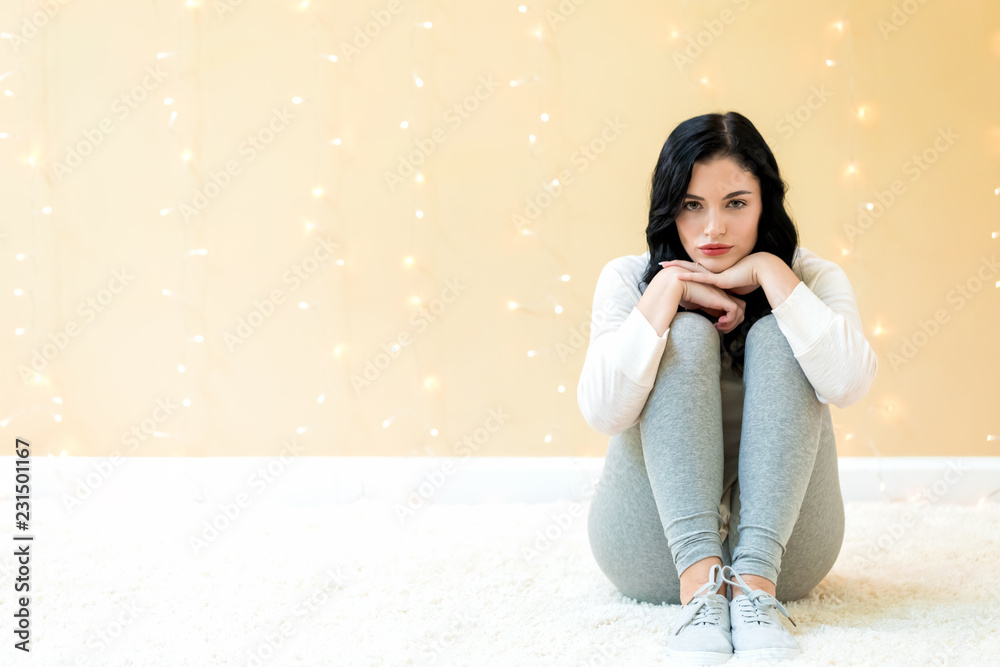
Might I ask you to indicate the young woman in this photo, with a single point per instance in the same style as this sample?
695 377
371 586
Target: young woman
713 360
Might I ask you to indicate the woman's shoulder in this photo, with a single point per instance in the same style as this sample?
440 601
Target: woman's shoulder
629 266
629 269
811 268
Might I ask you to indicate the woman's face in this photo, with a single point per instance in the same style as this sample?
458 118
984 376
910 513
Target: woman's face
722 207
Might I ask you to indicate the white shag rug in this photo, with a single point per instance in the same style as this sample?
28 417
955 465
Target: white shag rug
454 585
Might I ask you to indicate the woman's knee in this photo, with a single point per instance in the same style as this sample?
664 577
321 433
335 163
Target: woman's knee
764 328
693 335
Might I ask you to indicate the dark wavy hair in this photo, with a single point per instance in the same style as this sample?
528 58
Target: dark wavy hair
701 139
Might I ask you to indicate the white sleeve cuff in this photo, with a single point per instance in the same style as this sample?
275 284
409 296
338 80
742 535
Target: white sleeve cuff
803 318
638 349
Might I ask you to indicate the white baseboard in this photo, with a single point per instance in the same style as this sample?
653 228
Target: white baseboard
332 480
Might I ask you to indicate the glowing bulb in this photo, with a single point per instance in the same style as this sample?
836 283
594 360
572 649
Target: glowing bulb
531 353
850 169
164 211
512 305
548 438
559 310
420 214
565 278
420 178
545 117
303 305
420 82
415 300
20 255
296 100
186 402
318 192
18 292
830 63
869 206
340 262
321 398
337 350
332 59
58 418
180 368
336 142
18 332
408 261
404 125
199 338
522 9
186 156
47 210
839 25
168 101
561 389
300 430
428 25
861 112
434 432
531 138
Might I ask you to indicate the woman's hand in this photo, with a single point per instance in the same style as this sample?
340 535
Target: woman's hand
741 278
727 308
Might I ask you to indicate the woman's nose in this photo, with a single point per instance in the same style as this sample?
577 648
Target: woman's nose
714 227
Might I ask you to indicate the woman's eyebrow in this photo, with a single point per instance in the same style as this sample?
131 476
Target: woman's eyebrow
730 195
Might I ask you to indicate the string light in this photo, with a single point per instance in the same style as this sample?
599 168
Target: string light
430 382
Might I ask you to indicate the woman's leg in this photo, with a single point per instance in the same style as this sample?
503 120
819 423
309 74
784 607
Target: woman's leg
655 511
787 514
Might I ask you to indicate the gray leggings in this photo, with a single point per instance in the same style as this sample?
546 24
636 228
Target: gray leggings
787 514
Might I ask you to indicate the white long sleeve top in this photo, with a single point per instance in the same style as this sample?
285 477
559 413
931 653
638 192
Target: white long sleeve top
820 320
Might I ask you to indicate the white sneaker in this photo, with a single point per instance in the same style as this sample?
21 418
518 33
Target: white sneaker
700 634
757 632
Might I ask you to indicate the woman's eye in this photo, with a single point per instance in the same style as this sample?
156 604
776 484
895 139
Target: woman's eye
687 205
741 203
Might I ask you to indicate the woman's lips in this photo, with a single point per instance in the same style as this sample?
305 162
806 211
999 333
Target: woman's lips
715 251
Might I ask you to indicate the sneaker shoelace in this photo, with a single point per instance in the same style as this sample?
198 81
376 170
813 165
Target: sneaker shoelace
697 611
754 607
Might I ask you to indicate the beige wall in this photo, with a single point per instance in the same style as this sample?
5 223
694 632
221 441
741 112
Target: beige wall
229 71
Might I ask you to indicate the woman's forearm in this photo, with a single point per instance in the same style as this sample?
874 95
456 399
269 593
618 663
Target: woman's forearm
658 304
777 279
